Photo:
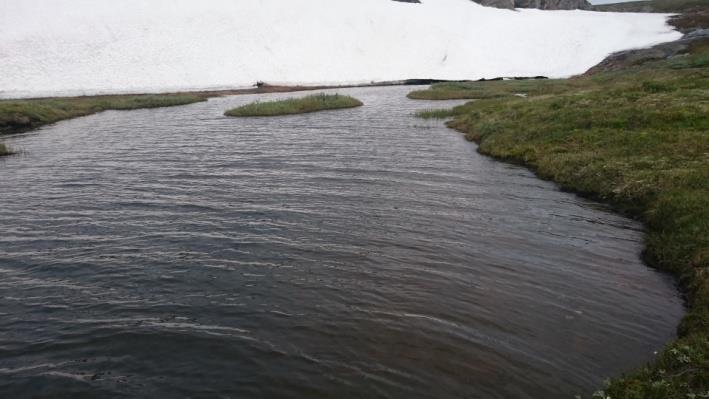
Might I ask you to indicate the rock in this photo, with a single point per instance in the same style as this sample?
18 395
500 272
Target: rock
633 6
624 59
508 4
694 23
663 51
691 20
412 82
554 4
697 34
568 5
540 4
528 3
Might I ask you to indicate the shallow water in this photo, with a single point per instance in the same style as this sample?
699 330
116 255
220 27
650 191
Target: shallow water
356 253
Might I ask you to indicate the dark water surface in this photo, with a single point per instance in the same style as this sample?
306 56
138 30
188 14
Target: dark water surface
363 253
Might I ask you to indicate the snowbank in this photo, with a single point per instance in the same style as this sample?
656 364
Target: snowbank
59 47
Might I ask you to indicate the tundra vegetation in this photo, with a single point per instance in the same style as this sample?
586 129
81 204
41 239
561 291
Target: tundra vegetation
636 138
312 103
22 115
18 116
488 89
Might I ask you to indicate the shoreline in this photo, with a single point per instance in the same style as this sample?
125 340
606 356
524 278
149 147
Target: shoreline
272 88
629 133
21 116
27 114
264 89
670 366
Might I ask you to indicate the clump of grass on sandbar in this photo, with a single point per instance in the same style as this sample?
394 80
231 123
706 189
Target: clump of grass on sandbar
313 103
5 150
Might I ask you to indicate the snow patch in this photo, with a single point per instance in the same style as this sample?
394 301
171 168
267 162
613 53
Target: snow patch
61 47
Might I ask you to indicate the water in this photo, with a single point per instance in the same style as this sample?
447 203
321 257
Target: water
361 253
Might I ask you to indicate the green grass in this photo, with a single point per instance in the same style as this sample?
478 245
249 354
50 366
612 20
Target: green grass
638 139
488 89
312 103
435 114
22 115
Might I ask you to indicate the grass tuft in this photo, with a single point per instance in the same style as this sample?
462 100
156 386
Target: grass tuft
312 103
435 114
487 89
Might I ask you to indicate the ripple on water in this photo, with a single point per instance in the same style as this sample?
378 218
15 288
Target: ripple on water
358 253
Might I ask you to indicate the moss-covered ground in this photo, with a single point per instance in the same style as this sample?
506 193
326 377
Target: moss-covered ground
312 103
21 115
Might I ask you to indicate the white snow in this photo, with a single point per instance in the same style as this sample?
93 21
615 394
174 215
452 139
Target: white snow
62 47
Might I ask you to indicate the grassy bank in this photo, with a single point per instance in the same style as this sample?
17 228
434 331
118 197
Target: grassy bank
637 139
313 103
488 89
22 115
